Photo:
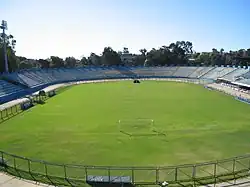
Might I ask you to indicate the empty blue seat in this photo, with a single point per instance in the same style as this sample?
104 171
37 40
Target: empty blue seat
7 88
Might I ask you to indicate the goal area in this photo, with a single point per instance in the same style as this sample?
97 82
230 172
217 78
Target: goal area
138 127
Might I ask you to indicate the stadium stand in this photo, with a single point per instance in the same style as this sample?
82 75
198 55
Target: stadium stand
143 72
19 77
215 73
125 72
247 75
232 76
243 82
197 73
225 71
165 71
7 88
184 71
37 79
44 75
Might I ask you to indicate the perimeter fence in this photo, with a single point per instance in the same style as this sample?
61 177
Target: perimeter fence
76 175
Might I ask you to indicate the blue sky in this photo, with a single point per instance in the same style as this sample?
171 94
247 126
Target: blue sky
78 27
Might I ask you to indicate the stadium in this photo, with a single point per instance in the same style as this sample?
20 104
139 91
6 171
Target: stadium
126 126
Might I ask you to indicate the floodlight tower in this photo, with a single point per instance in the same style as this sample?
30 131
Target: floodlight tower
4 27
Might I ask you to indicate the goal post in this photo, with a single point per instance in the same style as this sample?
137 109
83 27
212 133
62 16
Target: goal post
140 126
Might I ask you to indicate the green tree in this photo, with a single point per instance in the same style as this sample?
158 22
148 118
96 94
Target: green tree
45 64
70 62
140 59
21 58
24 65
84 61
10 50
57 62
110 57
95 59
143 52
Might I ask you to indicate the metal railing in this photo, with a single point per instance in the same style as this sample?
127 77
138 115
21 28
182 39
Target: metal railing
75 175
11 111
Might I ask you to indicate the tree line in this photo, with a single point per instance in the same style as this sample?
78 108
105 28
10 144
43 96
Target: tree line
178 53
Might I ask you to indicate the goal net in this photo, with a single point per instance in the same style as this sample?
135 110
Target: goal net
137 126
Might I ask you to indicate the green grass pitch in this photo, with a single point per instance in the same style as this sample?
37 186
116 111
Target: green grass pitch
80 125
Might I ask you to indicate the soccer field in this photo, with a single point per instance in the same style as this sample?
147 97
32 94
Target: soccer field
83 125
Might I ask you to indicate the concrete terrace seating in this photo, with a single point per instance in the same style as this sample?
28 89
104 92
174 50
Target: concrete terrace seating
63 74
143 71
39 77
247 74
34 76
57 75
184 71
115 73
225 71
7 88
92 73
213 73
165 71
232 76
45 75
125 72
199 72
244 82
22 79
